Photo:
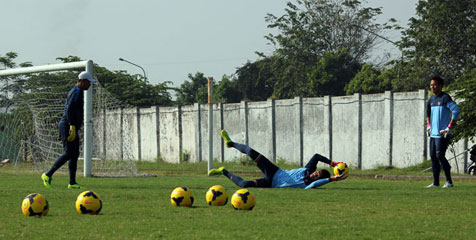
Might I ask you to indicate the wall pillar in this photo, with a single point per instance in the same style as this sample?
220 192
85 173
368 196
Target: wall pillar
157 129
272 123
244 126
389 114
299 131
198 131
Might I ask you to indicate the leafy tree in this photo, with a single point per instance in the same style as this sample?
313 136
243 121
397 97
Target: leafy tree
255 80
465 94
7 84
332 73
441 39
312 27
366 81
226 91
372 80
311 33
193 91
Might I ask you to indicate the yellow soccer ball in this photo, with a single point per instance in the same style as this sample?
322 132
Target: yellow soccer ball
341 168
216 196
35 205
181 197
243 200
88 202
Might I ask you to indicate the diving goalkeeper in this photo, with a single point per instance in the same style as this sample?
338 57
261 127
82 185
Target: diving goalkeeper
275 177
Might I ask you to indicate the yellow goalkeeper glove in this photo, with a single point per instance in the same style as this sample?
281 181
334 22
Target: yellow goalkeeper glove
72 133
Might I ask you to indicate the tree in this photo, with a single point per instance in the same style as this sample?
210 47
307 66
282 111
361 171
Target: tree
226 91
7 85
332 74
441 39
372 80
465 94
313 30
255 80
194 91
313 27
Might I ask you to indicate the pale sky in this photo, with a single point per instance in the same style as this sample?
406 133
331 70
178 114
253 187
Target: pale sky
169 39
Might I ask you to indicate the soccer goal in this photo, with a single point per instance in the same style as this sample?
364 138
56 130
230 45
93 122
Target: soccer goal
32 102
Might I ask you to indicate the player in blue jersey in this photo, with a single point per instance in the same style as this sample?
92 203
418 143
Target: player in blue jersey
69 126
441 116
274 177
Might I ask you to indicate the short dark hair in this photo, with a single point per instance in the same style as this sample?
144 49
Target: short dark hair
438 79
323 173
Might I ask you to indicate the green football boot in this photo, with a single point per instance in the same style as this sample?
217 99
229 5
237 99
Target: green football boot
74 186
216 171
46 180
226 138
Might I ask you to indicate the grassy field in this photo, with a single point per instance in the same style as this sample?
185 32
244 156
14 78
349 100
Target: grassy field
139 208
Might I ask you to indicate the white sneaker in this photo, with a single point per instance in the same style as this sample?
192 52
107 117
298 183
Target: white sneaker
431 186
447 185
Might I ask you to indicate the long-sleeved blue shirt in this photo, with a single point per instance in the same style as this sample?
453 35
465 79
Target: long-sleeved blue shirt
295 178
73 110
299 178
441 109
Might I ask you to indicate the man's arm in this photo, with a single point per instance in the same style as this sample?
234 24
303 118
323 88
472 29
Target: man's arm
312 164
454 111
321 182
454 115
318 183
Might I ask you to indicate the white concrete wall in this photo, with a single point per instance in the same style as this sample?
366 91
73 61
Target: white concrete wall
169 134
409 128
316 128
286 140
345 129
148 133
366 131
233 122
189 132
259 128
375 131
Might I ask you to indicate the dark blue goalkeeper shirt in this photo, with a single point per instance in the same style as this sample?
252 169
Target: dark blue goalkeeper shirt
441 109
73 110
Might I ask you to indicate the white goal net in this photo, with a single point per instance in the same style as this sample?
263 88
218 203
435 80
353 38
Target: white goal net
31 106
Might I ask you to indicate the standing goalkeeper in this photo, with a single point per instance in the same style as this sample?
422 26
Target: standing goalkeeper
275 177
441 116
69 126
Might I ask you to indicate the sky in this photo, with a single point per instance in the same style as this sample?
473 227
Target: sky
168 39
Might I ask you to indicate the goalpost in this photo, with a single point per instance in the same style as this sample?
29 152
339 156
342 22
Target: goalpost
29 122
88 67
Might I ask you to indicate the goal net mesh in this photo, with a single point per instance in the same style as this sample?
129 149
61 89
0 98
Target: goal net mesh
31 106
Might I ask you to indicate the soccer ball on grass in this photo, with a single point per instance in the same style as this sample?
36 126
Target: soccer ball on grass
216 196
243 200
88 202
341 168
35 205
181 197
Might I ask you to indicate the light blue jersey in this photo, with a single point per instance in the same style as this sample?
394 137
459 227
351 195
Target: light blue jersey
441 109
294 178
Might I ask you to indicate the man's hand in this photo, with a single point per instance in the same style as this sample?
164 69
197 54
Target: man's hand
338 178
446 132
72 133
428 129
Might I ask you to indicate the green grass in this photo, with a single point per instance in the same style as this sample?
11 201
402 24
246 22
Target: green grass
139 208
